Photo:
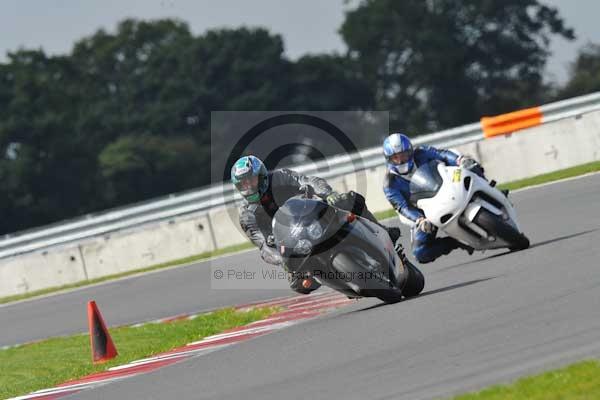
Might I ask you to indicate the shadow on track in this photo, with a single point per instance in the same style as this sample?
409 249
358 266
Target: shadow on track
428 293
543 243
558 239
474 261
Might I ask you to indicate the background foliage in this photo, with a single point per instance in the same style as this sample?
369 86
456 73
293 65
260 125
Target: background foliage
126 115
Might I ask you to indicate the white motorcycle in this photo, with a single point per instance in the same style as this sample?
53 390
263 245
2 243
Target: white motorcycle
466 207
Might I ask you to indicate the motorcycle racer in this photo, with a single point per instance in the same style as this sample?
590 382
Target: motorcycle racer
401 161
265 191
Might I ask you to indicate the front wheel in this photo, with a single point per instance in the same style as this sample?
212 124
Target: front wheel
496 226
354 265
415 282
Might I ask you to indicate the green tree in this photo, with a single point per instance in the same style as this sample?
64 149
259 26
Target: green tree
126 115
134 80
327 83
584 76
240 69
439 63
43 170
143 166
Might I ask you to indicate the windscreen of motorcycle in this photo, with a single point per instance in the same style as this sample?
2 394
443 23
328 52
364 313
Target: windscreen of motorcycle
425 182
299 225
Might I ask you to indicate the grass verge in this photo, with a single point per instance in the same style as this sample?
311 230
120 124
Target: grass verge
577 381
536 180
186 260
381 215
553 176
47 363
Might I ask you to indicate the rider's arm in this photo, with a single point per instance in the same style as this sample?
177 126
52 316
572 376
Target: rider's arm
256 236
450 158
249 225
292 178
446 156
399 202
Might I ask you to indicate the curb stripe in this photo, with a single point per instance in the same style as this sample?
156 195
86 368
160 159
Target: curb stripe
296 309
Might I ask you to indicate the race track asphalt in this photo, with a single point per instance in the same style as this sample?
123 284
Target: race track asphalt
481 319
161 294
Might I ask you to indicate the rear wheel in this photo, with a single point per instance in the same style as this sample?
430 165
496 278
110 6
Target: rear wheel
390 298
496 226
354 264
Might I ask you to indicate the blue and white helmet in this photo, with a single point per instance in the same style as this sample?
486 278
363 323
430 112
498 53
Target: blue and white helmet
398 152
249 175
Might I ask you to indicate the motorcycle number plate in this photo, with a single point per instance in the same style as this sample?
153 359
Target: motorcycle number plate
456 176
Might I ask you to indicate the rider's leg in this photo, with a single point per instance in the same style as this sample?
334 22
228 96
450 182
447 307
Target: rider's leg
427 248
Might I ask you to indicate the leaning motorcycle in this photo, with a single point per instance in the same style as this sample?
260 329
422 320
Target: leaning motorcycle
342 250
466 207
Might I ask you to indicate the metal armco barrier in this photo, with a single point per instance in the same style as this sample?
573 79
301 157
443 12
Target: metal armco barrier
215 196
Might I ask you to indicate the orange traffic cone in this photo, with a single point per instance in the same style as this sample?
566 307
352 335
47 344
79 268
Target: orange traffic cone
103 348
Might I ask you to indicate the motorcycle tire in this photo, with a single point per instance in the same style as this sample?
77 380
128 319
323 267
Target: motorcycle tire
492 223
415 282
346 262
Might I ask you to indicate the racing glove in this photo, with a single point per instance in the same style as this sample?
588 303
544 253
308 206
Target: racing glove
471 165
270 255
424 225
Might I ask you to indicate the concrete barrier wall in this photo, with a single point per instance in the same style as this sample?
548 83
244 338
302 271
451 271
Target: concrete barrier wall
34 271
369 183
110 254
539 150
530 152
146 246
226 228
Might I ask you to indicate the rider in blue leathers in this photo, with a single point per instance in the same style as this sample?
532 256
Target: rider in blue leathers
402 160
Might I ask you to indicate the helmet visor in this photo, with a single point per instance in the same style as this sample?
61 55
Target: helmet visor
247 186
401 158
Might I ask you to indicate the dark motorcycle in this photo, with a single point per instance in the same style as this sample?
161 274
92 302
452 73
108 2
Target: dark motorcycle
343 251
